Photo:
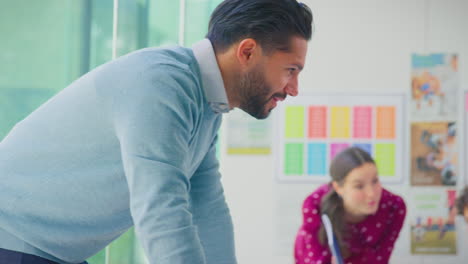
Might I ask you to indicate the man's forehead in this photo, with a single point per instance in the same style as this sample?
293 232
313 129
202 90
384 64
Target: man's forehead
296 59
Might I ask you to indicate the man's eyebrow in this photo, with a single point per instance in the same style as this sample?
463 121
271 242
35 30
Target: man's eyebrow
300 67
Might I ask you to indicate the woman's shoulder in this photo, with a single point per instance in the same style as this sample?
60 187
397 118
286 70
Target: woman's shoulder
391 205
316 196
391 199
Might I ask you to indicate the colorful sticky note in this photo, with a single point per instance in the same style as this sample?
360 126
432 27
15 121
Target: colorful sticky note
317 159
340 122
336 148
385 122
385 158
294 122
362 122
367 147
317 122
294 156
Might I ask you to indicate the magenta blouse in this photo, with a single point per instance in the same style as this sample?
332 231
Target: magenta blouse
371 240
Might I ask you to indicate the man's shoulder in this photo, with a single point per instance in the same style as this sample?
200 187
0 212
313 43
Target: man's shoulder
157 73
175 56
172 62
167 61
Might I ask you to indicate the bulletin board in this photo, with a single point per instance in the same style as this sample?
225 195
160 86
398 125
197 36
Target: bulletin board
311 130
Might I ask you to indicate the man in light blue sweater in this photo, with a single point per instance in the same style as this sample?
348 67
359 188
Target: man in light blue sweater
133 143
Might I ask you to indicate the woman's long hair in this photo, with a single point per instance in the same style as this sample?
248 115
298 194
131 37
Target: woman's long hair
332 203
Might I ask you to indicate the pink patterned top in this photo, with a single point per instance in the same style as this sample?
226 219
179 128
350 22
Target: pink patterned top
371 240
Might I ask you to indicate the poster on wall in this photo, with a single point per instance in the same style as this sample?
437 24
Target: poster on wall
434 156
432 220
247 135
434 87
311 130
464 180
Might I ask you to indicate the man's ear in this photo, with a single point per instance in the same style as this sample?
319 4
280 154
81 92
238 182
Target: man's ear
337 188
248 51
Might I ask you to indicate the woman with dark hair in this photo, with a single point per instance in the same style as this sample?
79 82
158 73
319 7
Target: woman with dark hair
462 203
365 217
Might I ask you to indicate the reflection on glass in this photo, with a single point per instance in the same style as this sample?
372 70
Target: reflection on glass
197 16
163 23
43 49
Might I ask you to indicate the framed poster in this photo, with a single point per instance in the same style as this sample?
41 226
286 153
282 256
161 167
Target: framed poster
432 216
434 86
434 154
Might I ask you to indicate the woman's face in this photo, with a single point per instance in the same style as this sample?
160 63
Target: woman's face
360 191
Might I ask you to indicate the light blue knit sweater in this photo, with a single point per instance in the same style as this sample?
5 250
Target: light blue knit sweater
130 143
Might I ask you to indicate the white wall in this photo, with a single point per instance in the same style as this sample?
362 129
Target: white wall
359 46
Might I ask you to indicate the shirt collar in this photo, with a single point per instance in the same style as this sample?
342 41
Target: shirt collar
212 81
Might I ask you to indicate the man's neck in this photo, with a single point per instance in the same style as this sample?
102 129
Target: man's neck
230 74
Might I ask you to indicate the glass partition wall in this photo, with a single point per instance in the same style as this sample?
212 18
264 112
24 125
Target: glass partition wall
48 44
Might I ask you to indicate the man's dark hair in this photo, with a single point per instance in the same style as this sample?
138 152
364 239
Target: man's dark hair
271 23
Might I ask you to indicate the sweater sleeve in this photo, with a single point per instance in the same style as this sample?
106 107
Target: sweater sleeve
210 212
381 251
153 121
307 246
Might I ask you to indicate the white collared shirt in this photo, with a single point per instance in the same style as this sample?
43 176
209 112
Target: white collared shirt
212 80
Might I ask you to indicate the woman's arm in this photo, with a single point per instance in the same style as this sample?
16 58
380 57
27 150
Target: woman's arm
307 246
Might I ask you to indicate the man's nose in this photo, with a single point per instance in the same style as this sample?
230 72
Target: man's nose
292 87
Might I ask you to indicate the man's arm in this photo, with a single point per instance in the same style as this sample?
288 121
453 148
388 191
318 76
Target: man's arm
211 213
153 120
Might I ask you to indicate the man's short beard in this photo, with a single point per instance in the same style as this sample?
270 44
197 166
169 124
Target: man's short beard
253 93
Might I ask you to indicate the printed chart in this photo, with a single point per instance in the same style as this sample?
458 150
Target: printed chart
247 135
313 129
